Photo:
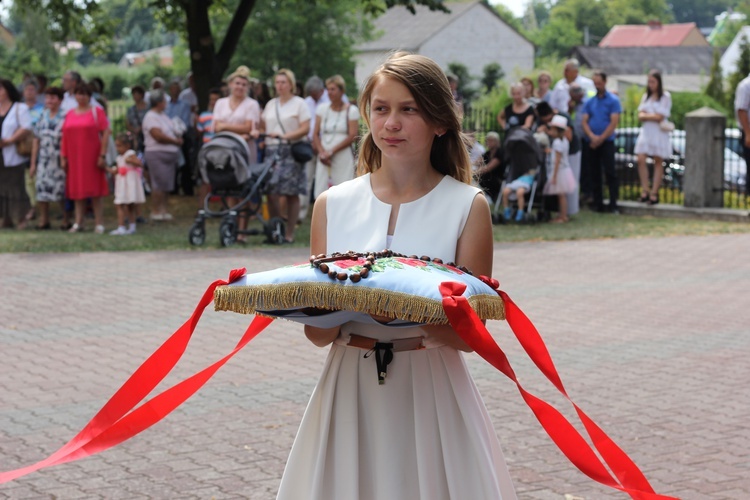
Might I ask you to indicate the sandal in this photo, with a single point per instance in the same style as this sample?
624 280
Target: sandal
644 197
65 227
653 199
75 228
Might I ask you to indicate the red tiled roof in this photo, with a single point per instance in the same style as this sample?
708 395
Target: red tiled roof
645 35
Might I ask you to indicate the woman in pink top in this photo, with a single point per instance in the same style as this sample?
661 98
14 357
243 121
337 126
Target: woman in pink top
83 156
240 114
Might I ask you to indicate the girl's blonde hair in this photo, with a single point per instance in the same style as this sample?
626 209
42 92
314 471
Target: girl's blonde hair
429 87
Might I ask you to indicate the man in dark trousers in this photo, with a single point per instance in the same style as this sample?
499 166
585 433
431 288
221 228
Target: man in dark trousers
601 114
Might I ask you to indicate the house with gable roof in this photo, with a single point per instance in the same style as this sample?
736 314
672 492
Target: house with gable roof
654 34
472 34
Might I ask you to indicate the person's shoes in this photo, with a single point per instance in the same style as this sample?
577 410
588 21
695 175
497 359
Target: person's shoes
507 213
614 210
120 231
167 216
99 229
520 216
65 227
287 242
158 217
42 227
140 220
644 198
653 200
75 228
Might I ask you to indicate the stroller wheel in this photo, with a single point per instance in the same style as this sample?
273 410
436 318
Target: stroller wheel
275 230
228 231
197 235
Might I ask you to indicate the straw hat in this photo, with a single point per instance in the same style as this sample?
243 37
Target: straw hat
241 72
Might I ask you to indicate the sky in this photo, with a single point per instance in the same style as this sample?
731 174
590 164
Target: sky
516 6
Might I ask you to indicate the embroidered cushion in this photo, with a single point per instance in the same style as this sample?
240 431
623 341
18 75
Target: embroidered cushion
351 288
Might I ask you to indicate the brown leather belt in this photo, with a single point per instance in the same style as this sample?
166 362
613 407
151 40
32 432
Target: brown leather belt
384 350
408 344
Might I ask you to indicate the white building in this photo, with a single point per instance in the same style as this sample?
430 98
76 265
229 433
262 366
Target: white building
730 57
471 34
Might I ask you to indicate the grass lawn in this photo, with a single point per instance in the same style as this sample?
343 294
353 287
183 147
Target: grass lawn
174 235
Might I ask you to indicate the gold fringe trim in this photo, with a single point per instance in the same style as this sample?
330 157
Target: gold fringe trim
380 302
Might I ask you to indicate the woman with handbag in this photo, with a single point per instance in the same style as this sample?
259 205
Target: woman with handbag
336 129
286 122
653 140
83 153
15 126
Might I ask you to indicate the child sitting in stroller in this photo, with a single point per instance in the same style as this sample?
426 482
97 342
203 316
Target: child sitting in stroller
518 186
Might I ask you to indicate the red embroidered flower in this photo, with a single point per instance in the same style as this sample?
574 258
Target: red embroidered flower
412 262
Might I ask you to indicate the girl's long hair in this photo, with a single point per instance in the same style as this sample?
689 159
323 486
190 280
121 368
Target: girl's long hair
659 88
429 87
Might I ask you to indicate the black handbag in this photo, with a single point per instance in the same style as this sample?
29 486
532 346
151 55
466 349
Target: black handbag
302 151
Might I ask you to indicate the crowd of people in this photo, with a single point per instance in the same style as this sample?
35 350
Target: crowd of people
573 123
58 149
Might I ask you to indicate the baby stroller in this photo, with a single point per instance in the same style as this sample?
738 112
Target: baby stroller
224 163
521 154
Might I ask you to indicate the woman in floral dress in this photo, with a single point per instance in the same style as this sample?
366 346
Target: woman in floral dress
45 158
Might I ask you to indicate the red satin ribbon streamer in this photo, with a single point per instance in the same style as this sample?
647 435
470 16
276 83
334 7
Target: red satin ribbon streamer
574 446
113 424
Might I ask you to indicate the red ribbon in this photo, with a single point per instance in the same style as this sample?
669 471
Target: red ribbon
115 422
573 445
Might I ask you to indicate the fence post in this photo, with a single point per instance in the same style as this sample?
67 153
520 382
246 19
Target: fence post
704 158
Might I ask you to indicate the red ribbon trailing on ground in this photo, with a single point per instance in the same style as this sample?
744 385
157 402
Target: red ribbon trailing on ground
119 419
115 422
470 328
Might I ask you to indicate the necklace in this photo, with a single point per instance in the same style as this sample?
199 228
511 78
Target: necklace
335 123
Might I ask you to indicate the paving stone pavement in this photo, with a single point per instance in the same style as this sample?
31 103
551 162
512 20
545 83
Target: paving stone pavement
651 337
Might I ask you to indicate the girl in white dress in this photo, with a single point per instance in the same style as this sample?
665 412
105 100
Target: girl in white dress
335 130
129 192
655 107
425 433
561 180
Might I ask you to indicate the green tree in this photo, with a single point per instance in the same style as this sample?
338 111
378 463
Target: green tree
314 38
507 15
90 23
465 82
34 51
715 87
492 73
701 12
557 38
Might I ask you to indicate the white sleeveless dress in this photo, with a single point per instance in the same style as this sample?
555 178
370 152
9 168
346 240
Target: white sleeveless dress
423 435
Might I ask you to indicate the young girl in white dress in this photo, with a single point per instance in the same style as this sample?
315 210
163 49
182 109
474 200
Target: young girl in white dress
425 433
561 180
129 192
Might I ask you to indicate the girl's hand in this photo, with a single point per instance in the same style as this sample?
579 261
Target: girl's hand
101 162
32 170
63 163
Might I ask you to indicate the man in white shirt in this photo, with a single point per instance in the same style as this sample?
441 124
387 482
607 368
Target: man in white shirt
316 93
560 98
742 112
188 94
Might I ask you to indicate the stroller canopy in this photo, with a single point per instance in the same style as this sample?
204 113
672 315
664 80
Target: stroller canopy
521 152
225 157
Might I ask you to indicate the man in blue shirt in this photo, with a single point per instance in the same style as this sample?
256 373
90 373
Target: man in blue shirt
601 115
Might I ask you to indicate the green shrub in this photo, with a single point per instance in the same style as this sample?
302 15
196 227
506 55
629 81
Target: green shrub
685 102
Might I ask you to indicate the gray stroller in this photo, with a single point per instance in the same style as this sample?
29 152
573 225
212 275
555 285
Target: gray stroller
224 164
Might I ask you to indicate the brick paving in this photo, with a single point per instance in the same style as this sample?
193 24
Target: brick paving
651 336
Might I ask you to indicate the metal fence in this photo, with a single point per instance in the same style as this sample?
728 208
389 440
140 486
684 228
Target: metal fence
734 189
